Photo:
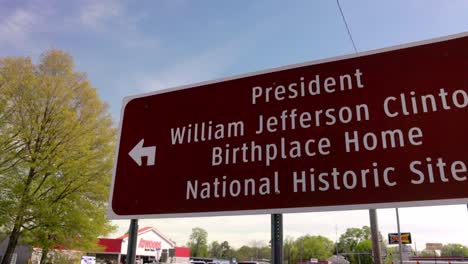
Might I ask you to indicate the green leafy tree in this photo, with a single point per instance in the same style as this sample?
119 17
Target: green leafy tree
245 253
355 241
198 242
457 250
256 250
364 248
264 253
318 247
288 250
215 250
392 255
260 250
56 151
226 250
352 237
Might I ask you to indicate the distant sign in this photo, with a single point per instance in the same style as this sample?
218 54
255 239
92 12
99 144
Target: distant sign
393 238
88 260
379 129
434 246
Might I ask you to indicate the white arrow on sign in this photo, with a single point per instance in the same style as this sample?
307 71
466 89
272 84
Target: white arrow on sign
139 151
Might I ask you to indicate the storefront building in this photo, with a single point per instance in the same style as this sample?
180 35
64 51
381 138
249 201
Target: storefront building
152 246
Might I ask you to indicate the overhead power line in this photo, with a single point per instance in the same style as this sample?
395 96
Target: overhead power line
346 24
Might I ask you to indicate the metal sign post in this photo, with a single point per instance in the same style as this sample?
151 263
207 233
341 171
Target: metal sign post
276 238
132 239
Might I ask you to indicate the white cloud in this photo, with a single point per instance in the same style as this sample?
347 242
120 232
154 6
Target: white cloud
203 67
20 26
138 40
16 27
95 13
208 65
113 20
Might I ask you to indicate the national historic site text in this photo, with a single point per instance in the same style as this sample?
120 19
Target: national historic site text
426 169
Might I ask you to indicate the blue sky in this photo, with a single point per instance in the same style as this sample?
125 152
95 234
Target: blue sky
131 47
128 48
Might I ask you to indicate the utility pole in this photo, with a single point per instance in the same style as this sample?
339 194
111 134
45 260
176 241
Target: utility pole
336 236
400 247
376 248
415 247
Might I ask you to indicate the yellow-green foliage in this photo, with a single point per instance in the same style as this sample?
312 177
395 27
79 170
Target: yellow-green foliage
56 152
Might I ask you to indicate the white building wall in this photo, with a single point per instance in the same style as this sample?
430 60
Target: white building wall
148 244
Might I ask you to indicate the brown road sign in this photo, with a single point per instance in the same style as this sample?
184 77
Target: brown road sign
378 129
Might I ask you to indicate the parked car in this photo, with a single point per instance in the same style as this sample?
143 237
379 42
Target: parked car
252 262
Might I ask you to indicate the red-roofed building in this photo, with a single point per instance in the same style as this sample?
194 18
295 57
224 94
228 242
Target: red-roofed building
152 245
111 245
140 231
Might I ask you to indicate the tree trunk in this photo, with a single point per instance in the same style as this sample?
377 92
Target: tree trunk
19 221
11 245
45 251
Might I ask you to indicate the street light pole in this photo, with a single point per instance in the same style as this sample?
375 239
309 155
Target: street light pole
399 237
376 249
